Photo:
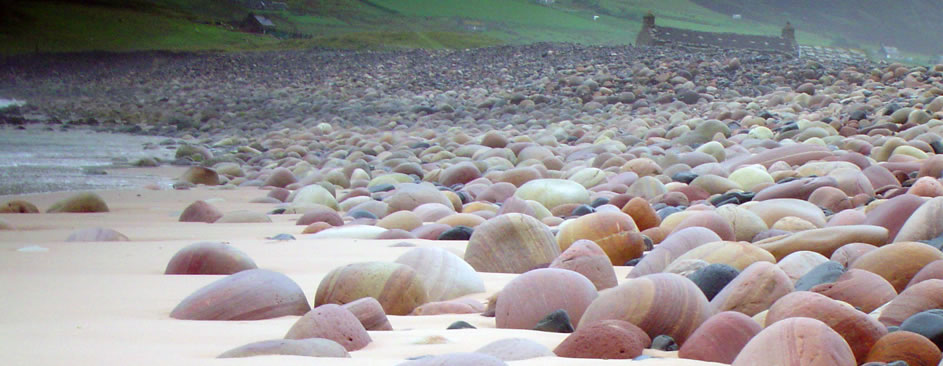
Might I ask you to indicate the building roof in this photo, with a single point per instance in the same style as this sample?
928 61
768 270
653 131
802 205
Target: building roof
265 22
721 40
889 49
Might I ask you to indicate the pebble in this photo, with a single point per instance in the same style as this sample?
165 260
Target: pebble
664 343
713 278
826 272
558 321
460 232
928 323
461 324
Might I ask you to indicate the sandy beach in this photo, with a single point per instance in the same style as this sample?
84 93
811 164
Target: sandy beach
97 303
675 204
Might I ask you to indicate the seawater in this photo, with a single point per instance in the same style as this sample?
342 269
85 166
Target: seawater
38 160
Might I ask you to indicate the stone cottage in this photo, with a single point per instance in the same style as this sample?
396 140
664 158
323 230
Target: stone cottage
653 35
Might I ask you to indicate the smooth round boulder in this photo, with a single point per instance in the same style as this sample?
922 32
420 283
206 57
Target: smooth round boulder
18 206
511 243
322 213
710 220
721 338
745 224
774 209
672 247
370 313
858 329
529 297
200 211
893 213
408 196
444 275
280 177
898 262
79 203
209 258
553 192
460 173
396 286
309 347
614 232
515 349
201 175
642 213
796 341
605 339
930 271
923 223
331 321
909 347
736 254
314 194
849 253
797 264
862 289
823 241
754 290
661 303
246 295
923 296
243 217
588 259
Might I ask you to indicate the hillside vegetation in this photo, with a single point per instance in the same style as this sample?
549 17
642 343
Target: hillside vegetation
913 25
124 25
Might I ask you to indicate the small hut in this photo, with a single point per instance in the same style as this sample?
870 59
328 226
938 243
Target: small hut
257 24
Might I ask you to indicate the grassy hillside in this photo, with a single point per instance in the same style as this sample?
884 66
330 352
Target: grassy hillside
120 25
912 25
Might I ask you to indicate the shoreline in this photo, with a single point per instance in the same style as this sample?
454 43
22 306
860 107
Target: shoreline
693 195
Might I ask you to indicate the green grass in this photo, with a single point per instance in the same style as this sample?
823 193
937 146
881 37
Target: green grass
394 40
184 25
66 27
